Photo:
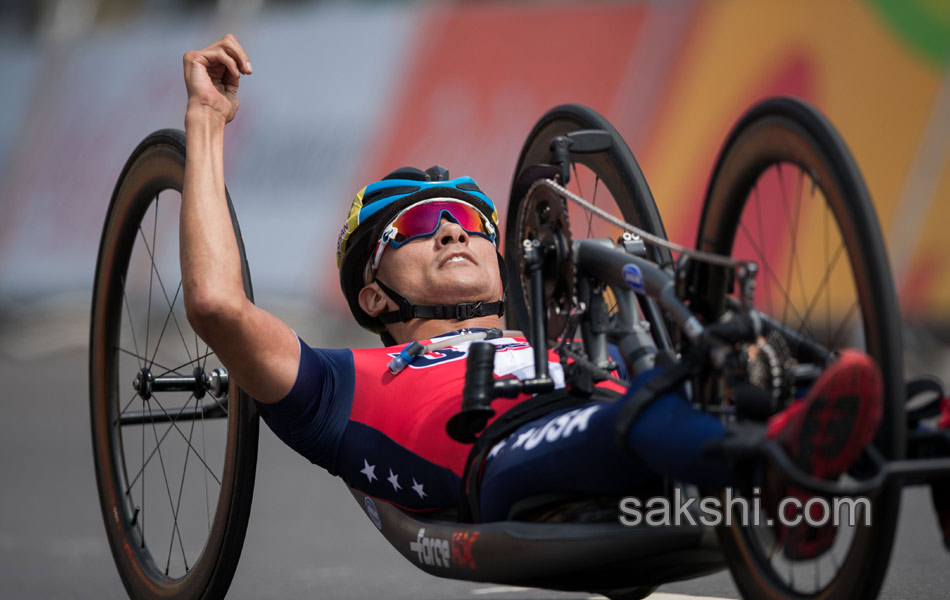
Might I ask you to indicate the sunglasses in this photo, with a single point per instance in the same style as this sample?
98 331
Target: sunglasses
422 220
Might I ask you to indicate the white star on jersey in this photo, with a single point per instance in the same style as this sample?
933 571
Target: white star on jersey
418 488
394 479
369 470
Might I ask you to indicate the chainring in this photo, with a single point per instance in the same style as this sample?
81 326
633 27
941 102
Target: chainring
542 216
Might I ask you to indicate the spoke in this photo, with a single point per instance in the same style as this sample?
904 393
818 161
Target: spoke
165 324
828 289
791 255
580 191
181 487
128 311
125 408
590 215
843 326
151 273
148 322
188 441
151 455
798 216
205 475
596 185
218 402
165 293
168 488
155 224
197 350
577 180
208 352
197 359
768 270
824 282
142 516
758 213
145 358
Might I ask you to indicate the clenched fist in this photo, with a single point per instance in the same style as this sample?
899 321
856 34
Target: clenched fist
212 76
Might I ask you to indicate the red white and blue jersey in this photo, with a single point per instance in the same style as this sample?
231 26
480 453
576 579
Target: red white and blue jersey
385 434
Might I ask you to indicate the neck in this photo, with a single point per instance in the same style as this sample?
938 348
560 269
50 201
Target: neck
423 329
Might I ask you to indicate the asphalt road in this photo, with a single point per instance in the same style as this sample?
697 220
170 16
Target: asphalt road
307 537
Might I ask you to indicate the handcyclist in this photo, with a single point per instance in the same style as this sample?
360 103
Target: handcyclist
418 260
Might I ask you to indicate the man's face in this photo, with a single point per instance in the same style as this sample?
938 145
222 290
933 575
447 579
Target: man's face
450 267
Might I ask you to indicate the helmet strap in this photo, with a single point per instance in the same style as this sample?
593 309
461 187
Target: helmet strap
460 312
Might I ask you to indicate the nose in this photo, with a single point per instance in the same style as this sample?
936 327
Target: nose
451 232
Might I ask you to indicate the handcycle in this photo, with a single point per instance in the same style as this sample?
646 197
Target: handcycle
744 321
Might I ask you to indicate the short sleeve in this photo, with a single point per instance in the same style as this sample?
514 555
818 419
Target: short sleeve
312 417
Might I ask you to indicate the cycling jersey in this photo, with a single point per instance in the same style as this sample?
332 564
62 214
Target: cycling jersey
385 434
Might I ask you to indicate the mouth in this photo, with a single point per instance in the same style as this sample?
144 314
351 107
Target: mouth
457 258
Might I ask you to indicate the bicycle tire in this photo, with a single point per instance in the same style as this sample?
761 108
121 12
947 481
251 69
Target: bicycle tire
156 166
774 137
621 175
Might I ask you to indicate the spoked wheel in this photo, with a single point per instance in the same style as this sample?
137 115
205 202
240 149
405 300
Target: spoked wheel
610 179
787 194
175 443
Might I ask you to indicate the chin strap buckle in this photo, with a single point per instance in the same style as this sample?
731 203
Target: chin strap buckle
468 311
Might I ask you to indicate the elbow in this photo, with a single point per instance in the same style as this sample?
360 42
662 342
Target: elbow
209 312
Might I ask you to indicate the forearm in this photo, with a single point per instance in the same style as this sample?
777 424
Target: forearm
210 263
260 351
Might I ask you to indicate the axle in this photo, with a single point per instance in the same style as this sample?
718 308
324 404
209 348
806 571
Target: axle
198 383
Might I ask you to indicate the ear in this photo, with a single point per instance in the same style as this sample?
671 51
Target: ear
372 300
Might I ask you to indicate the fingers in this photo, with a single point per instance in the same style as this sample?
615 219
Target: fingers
234 49
226 51
220 56
213 74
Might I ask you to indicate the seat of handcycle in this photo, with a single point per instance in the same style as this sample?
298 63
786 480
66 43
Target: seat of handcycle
553 541
570 544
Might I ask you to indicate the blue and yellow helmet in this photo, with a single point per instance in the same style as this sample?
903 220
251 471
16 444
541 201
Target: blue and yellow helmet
376 205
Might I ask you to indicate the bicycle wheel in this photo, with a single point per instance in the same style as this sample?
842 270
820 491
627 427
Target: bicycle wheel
175 469
787 194
611 180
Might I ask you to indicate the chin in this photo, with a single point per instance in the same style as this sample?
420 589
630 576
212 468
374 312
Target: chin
458 292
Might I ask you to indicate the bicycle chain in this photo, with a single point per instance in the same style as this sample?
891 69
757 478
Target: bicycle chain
555 227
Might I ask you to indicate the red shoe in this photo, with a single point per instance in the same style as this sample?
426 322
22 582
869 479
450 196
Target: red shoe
824 434
944 422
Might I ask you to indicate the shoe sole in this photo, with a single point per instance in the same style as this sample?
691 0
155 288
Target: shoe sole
838 425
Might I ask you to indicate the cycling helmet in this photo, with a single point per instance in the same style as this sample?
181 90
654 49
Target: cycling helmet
372 210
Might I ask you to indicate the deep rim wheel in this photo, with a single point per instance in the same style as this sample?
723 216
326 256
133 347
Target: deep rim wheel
175 470
611 180
787 194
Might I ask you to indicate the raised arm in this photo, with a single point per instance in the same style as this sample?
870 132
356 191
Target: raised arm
258 349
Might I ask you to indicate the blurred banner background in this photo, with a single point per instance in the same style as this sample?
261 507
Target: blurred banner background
344 92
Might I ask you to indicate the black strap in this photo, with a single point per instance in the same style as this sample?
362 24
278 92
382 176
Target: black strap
461 312
502 427
674 375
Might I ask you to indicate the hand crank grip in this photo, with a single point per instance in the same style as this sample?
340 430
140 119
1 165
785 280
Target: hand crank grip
477 395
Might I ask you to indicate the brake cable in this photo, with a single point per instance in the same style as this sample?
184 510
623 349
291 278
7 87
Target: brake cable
716 259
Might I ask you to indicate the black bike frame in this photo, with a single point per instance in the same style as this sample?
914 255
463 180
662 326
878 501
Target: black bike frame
594 557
